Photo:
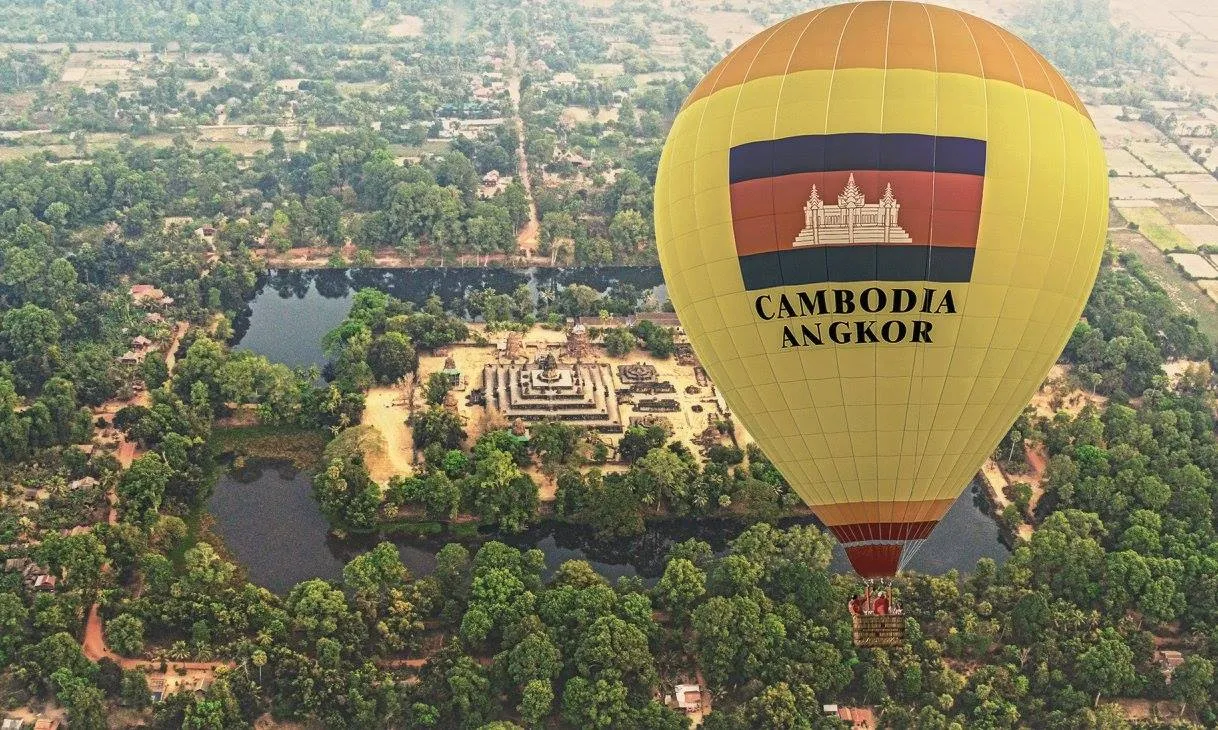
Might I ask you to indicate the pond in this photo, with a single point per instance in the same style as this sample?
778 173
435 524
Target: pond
266 515
292 309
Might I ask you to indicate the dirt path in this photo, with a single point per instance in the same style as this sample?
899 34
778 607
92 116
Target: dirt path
526 241
171 355
386 410
94 648
1038 460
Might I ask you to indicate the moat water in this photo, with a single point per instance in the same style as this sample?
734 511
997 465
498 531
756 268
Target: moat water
266 515
292 309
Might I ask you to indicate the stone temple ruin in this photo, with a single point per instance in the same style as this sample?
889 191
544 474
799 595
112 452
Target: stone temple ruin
642 378
544 390
578 347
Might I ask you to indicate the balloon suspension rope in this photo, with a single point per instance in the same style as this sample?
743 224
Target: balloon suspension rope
907 555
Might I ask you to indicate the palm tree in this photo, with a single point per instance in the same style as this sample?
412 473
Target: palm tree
259 660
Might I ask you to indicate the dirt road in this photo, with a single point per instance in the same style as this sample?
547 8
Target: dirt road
526 241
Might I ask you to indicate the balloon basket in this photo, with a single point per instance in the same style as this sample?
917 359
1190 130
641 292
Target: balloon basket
874 631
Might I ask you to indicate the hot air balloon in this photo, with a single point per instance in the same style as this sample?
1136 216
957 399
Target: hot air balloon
878 223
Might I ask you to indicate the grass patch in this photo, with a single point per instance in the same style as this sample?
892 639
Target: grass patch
301 446
1154 225
411 528
463 530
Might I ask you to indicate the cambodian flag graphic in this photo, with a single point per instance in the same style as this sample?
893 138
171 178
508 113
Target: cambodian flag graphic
856 207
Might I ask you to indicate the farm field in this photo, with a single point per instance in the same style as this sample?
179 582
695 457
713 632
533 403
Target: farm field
1196 266
1155 226
1164 157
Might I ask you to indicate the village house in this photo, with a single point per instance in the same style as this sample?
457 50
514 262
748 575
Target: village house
37 578
857 717
1168 660
156 688
146 293
131 357
46 724
83 483
11 723
687 698
576 159
141 342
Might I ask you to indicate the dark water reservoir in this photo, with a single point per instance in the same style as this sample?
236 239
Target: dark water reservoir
266 515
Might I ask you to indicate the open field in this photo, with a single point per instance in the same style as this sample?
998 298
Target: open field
1201 188
579 114
728 26
1183 212
1200 235
1210 288
1164 157
386 411
1141 188
1125 164
1154 225
1195 266
1115 130
606 70
408 26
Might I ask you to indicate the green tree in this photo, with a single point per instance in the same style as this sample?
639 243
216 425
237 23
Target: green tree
535 657
134 691
125 634
13 619
437 425
500 493
83 700
142 488
1192 683
438 385
680 588
619 341
391 357
536 701
600 703
154 371
30 336
1107 666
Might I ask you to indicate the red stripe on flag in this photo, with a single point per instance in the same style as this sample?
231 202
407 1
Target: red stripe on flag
937 208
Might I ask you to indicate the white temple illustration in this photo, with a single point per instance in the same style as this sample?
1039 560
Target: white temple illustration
852 220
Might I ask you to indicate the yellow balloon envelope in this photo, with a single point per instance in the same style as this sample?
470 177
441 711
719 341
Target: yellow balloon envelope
878 223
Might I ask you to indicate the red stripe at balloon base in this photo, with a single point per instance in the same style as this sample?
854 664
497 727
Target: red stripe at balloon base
875 561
